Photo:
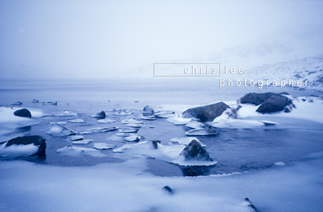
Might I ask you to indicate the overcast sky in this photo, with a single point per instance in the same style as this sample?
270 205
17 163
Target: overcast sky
102 38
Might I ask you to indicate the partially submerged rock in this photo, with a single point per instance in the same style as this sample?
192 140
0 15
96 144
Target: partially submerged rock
101 115
155 143
23 113
274 104
36 140
195 151
168 189
250 205
148 111
257 98
206 112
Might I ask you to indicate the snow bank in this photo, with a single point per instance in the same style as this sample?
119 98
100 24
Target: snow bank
126 187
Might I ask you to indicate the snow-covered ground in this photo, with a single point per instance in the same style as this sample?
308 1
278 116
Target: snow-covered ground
126 187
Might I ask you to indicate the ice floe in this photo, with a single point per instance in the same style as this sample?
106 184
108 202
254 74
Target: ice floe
67 114
132 138
202 131
106 121
98 130
57 130
76 138
79 151
77 120
103 146
131 121
148 118
83 142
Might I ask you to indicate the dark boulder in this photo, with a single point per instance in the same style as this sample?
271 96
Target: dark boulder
25 140
155 143
207 112
274 104
148 111
257 98
168 189
101 115
23 113
195 151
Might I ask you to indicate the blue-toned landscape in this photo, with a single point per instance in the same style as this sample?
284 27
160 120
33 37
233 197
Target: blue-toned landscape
85 125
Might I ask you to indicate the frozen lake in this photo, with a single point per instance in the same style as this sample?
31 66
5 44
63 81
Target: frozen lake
241 150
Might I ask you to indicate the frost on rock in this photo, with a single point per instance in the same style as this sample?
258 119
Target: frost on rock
128 130
194 154
103 146
23 146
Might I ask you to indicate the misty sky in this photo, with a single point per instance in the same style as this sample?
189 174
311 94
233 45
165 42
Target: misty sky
103 38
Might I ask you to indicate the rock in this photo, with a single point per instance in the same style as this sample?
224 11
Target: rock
148 111
257 98
194 150
52 103
23 113
25 140
207 112
101 115
274 104
250 205
168 189
76 138
155 143
207 130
